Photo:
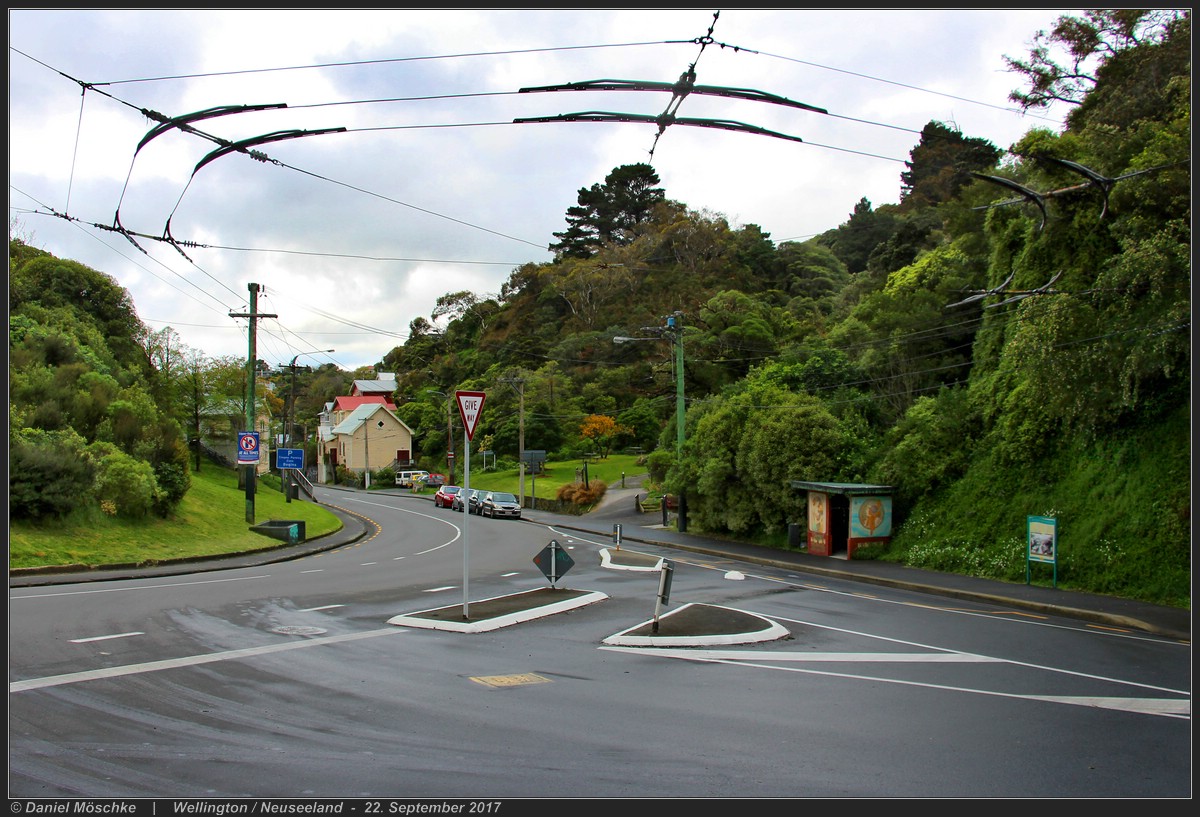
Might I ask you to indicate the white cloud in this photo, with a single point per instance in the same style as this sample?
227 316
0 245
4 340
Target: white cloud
380 223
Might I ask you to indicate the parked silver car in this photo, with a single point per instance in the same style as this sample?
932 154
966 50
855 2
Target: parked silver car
497 503
473 497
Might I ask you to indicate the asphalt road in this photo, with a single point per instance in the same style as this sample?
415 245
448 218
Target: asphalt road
285 679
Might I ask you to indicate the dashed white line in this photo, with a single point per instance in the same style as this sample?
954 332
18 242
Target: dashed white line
103 637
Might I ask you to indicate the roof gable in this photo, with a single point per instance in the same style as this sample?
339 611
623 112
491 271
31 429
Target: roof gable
365 412
352 402
361 387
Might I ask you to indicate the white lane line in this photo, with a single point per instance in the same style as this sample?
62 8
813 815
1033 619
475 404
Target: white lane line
325 607
103 637
134 587
190 661
990 615
1005 660
318 570
439 589
368 564
1167 707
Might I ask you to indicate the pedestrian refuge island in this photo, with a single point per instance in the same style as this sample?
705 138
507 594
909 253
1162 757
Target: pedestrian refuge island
843 516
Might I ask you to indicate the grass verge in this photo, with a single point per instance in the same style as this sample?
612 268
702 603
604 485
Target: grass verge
210 521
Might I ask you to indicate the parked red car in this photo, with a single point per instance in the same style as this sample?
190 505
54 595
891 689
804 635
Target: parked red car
444 498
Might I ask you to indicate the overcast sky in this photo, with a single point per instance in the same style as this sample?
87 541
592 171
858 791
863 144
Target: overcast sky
432 189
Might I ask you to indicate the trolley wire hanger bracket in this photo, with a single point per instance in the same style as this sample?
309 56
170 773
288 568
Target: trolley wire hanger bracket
682 88
184 122
662 121
1014 294
1095 179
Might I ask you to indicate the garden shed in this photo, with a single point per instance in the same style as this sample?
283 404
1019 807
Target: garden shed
843 516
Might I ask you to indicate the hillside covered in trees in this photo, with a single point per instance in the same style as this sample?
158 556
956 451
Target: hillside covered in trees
1011 339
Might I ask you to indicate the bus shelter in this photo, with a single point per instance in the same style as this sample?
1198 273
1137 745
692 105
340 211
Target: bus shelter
843 516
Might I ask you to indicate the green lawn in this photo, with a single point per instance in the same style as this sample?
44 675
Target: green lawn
211 520
556 474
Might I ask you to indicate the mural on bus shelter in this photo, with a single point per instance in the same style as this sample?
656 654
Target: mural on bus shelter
818 522
870 517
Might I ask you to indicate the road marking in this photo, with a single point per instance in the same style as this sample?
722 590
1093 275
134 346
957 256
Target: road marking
103 637
135 587
504 681
998 615
190 661
439 589
1167 707
318 570
325 607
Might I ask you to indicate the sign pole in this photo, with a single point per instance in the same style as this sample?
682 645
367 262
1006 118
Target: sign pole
466 521
470 405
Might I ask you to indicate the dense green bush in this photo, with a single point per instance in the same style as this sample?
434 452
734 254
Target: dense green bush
127 485
49 476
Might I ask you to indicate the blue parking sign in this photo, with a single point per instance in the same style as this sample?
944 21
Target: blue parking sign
290 458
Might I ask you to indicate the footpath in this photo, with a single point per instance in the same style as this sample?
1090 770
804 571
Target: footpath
620 507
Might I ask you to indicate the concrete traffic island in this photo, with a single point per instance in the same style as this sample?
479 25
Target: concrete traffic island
700 625
500 611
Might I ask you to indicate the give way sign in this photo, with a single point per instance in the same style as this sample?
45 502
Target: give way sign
470 404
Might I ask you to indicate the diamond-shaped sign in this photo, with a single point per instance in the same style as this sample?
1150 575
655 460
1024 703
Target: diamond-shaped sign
554 561
470 404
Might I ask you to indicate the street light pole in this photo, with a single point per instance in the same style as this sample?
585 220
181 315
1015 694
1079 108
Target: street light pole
449 433
291 417
674 329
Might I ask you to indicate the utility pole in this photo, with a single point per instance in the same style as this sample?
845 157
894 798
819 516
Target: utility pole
450 439
518 385
251 382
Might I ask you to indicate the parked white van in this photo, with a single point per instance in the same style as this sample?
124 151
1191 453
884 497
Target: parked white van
405 479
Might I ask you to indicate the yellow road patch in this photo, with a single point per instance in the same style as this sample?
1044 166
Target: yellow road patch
522 679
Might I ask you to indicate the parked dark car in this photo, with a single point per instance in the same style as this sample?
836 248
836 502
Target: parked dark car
499 504
444 498
435 480
472 499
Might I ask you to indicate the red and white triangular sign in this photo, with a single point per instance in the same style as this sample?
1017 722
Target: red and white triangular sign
470 404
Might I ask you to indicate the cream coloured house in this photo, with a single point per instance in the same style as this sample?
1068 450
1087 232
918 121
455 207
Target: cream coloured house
365 436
